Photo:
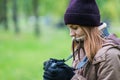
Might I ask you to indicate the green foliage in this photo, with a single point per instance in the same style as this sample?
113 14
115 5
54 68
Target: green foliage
109 9
53 7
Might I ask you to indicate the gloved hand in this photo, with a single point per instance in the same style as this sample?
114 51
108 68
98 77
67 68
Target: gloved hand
57 70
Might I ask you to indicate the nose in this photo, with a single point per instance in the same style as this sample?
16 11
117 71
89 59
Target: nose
72 33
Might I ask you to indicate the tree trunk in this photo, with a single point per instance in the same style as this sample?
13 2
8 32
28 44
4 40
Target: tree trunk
15 18
5 14
35 10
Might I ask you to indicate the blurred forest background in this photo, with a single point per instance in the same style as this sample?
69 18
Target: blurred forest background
32 31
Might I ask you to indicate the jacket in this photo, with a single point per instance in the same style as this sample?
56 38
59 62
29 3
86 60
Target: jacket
105 65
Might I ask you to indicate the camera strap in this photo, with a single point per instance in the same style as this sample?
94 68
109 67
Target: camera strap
82 62
69 57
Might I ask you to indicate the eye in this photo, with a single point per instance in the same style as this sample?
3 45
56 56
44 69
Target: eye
75 27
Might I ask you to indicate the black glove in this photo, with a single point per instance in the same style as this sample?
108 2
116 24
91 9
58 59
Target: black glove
57 70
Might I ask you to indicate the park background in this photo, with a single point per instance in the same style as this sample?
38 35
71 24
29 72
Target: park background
32 31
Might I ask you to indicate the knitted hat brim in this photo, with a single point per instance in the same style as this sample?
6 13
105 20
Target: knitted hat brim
82 19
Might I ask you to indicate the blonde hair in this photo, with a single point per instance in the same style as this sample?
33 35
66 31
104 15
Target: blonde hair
92 42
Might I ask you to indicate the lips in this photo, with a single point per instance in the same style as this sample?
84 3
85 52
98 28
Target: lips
79 38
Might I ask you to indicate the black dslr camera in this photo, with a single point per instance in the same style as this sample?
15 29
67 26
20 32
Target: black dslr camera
53 63
57 70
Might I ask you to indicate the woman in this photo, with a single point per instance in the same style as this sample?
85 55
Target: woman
102 55
94 57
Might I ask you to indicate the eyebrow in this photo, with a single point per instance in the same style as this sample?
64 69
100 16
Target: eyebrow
70 26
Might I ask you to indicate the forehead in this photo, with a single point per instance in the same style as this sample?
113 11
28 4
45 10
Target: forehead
72 25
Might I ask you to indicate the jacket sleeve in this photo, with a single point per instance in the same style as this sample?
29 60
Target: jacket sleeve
78 77
110 68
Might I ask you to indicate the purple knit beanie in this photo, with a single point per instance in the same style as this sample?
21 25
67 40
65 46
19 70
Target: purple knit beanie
82 12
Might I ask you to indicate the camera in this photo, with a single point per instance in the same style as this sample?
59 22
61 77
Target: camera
53 63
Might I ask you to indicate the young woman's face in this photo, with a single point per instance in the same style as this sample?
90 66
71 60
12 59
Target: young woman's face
76 31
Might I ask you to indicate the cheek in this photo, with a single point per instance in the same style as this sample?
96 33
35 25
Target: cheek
80 32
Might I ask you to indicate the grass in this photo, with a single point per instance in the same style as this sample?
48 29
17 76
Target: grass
22 56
